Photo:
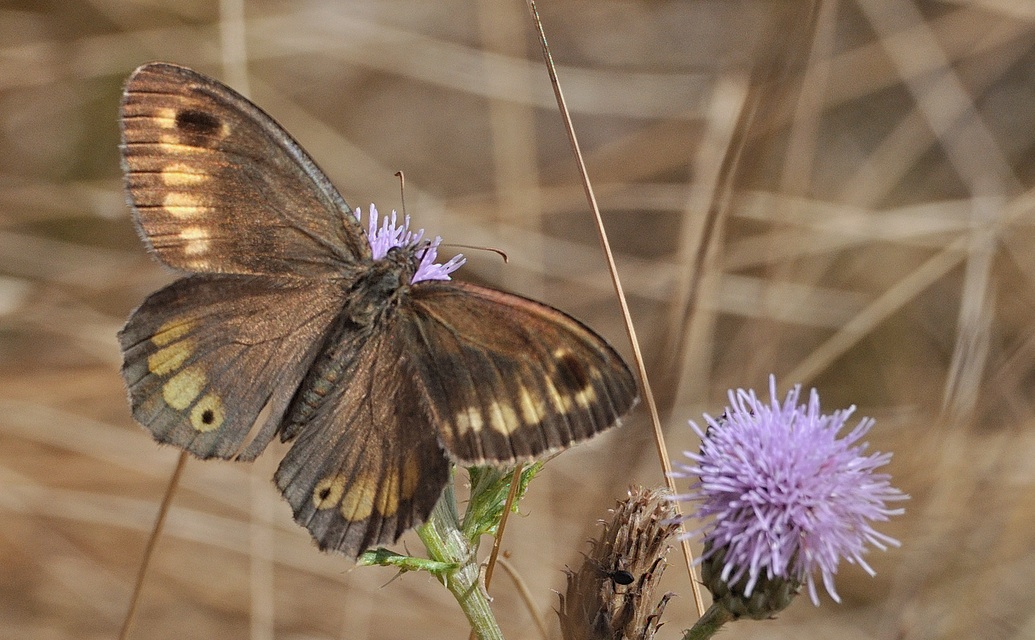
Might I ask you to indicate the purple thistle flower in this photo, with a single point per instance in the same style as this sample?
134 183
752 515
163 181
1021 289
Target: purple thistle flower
390 234
787 497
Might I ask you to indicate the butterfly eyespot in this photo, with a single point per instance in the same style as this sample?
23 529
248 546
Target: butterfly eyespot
207 414
194 121
573 376
328 491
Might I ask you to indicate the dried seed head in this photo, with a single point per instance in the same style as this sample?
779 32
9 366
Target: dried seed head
611 596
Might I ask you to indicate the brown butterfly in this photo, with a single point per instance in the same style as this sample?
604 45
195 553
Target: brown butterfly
294 321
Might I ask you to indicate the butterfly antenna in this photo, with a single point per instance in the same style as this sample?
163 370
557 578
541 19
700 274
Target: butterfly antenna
499 252
652 407
402 190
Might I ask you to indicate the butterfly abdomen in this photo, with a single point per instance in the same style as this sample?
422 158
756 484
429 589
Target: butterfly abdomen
334 366
369 305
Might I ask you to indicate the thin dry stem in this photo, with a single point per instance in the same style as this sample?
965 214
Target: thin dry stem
526 596
152 542
515 482
659 436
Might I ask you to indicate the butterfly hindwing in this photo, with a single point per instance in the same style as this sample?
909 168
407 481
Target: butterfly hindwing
508 379
366 464
218 186
204 355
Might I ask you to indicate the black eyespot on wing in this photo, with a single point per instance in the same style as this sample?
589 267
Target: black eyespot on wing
197 122
217 186
208 416
198 128
571 373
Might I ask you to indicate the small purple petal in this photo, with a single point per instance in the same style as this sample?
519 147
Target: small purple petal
390 234
429 270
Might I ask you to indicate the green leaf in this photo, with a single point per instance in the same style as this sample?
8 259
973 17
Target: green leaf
386 558
489 489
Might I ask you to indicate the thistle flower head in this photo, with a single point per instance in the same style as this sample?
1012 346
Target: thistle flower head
786 496
389 234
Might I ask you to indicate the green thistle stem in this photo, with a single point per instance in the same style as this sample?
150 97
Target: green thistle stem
446 543
710 622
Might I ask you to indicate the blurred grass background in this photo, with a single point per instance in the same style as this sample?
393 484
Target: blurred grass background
839 193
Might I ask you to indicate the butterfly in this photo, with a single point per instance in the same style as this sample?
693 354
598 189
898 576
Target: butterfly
293 321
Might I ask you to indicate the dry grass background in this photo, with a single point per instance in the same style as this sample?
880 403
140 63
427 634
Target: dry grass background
845 200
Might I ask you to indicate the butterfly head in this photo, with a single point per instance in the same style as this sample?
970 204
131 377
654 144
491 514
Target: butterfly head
397 244
401 258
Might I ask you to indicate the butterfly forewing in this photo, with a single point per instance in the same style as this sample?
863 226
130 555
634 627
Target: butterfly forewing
218 186
509 378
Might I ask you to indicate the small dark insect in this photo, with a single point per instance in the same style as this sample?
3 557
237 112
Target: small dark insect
617 576
620 576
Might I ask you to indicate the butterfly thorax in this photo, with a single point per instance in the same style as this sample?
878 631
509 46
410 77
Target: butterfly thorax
377 291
